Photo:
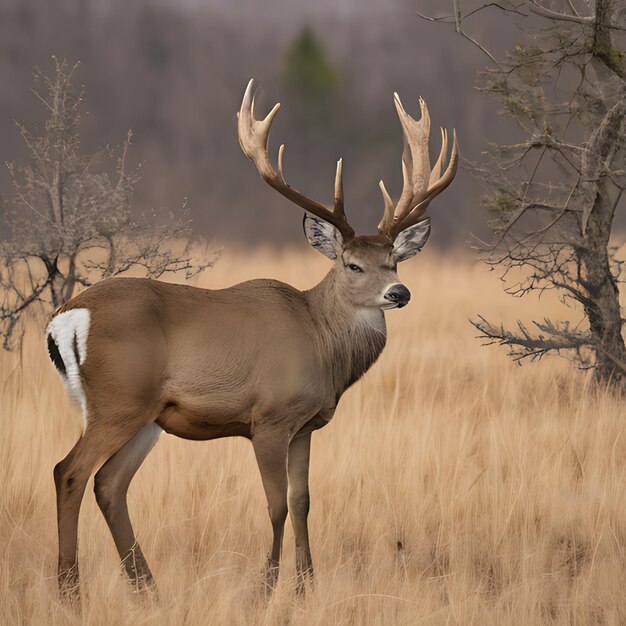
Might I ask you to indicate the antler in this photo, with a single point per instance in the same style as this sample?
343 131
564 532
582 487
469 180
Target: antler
421 184
253 138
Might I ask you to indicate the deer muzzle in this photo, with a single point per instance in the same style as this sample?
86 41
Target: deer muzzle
398 294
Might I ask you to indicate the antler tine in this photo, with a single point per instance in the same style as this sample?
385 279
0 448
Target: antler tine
253 138
281 151
421 184
387 221
339 208
436 172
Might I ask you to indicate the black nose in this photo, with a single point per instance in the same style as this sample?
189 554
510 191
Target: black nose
398 294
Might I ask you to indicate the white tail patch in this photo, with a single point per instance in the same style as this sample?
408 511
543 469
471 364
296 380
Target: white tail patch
69 331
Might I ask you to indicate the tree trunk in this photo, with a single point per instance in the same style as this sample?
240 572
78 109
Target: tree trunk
606 20
603 308
69 282
604 153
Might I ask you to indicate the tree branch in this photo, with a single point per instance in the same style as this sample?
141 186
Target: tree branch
526 345
538 9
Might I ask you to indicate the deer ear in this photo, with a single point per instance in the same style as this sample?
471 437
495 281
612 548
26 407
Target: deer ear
323 236
410 241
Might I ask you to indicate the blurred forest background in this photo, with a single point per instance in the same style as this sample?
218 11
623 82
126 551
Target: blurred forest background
174 72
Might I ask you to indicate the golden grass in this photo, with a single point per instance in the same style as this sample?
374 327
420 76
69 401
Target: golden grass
452 486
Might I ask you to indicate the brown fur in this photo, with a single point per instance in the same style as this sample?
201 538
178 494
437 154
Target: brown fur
260 360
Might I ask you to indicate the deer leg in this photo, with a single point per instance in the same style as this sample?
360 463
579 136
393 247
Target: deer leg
298 473
111 486
270 450
70 477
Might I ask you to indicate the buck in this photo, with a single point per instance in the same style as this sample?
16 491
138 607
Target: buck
260 360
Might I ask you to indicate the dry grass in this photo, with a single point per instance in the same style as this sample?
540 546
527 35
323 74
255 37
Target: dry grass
451 487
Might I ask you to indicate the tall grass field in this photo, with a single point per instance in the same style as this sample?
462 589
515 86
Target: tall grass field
452 486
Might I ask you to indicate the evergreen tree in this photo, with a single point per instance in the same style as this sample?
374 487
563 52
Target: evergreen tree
307 71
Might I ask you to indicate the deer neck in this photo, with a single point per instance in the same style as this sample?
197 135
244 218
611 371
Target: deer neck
349 338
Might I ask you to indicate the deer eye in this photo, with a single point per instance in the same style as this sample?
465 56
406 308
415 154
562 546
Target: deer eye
354 267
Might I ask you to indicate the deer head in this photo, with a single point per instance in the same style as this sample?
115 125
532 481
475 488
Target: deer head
365 265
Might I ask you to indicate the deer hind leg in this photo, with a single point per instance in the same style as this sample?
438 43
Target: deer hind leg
70 477
298 473
270 449
111 486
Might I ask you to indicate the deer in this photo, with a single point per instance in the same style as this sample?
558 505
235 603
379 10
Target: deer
260 359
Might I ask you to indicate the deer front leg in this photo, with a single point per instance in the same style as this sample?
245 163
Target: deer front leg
270 449
298 472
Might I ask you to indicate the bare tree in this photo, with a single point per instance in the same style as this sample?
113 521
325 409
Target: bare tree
70 223
552 195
